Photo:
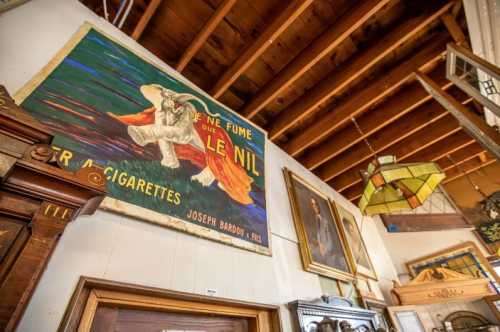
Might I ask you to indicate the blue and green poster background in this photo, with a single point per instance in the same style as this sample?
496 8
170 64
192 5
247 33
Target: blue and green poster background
94 83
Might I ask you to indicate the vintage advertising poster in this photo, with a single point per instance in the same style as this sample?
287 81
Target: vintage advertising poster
171 155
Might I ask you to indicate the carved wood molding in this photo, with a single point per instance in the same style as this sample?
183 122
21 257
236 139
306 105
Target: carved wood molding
442 285
332 313
37 200
91 293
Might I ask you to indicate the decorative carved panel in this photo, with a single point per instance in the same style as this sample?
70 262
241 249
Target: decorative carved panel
332 314
439 285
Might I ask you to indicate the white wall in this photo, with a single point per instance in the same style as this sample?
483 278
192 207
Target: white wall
115 247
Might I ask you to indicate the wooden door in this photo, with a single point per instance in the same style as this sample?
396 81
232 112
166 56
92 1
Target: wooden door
112 319
109 306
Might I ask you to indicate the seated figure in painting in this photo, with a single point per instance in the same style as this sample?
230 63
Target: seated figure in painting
325 245
181 133
324 240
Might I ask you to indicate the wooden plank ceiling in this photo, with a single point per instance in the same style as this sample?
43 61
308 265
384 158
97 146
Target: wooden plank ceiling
304 69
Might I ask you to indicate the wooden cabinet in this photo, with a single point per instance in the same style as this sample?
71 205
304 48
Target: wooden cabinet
38 199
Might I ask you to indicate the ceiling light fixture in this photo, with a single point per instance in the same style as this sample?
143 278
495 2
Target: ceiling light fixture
391 187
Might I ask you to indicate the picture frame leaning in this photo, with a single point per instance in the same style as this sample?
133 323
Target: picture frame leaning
355 243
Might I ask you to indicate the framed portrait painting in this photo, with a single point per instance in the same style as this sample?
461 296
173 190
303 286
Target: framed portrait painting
355 244
321 243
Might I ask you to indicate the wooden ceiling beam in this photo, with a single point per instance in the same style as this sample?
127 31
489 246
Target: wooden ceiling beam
319 48
467 168
375 91
411 123
461 157
145 18
348 175
483 156
204 33
446 146
441 149
392 109
455 30
404 127
278 25
340 78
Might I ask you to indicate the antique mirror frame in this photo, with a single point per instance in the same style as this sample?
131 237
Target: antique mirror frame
305 250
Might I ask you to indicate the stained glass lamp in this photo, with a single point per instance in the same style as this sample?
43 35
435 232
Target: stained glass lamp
394 187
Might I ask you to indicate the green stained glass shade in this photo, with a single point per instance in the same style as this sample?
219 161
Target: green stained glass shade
394 187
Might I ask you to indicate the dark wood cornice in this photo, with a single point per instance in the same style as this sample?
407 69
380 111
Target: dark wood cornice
38 199
17 124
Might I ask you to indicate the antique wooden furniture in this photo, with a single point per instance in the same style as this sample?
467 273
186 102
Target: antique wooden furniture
332 312
436 285
97 303
37 200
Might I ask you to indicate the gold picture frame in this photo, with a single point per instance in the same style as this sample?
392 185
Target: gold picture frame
361 263
10 4
328 258
442 256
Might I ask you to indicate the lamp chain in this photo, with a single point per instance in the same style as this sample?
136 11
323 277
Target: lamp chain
364 137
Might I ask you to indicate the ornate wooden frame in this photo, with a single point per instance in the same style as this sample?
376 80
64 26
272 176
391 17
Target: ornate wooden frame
441 285
332 310
92 292
40 197
305 251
